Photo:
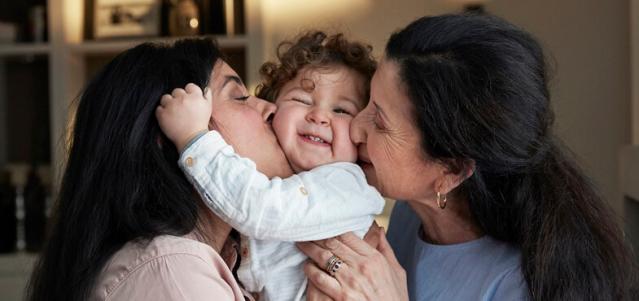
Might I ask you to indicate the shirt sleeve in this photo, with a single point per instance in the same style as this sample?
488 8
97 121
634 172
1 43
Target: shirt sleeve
174 277
324 202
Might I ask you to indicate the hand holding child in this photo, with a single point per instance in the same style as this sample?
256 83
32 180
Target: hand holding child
184 114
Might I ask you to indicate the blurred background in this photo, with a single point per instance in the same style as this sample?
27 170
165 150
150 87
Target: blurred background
50 48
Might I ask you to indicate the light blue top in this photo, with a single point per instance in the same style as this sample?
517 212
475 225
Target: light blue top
482 269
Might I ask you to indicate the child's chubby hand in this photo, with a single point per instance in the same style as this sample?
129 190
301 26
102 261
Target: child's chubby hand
184 114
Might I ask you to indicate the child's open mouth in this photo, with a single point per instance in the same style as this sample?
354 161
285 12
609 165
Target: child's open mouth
315 140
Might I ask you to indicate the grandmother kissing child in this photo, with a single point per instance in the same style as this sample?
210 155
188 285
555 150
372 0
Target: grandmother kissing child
319 84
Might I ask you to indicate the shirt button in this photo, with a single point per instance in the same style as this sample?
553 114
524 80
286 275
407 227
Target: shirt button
189 162
303 191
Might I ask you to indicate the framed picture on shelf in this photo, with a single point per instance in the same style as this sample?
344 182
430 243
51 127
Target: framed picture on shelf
126 18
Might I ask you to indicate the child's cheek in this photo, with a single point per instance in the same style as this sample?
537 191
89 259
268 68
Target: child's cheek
279 123
342 140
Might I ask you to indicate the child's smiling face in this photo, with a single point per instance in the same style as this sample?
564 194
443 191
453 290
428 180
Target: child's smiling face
315 109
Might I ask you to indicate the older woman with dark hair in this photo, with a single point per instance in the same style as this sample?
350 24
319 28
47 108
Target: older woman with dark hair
459 129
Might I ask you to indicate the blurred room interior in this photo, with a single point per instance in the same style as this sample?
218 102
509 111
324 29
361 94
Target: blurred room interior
50 48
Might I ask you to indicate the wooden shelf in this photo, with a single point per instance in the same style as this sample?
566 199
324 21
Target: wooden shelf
72 61
24 49
115 46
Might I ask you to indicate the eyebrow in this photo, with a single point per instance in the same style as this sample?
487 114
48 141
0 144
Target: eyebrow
232 78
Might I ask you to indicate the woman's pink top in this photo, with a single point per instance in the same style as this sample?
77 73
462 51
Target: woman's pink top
167 268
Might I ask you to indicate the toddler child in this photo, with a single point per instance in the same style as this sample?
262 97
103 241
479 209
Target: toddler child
319 85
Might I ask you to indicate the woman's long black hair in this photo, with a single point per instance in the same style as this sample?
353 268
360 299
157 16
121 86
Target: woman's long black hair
121 180
479 89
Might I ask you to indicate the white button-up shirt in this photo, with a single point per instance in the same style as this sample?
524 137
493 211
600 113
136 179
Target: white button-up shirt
324 202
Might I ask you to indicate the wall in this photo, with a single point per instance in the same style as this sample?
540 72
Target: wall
634 38
368 20
630 171
588 40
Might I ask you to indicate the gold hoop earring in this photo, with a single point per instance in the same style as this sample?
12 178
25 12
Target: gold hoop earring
441 202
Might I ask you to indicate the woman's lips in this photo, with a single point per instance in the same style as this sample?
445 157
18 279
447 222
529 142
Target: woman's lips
363 163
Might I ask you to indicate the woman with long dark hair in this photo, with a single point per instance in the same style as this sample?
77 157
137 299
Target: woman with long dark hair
127 223
492 207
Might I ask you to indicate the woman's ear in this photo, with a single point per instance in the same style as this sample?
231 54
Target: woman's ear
454 174
468 169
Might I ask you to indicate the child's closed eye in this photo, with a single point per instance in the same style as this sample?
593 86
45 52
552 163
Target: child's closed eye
343 111
301 100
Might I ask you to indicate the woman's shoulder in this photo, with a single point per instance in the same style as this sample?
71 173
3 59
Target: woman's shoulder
484 267
163 266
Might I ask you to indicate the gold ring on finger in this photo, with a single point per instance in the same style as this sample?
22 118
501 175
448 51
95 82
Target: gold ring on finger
333 264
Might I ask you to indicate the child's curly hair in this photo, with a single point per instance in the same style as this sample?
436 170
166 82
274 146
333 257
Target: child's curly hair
314 49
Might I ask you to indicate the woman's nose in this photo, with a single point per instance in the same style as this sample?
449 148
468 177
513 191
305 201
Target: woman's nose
358 129
318 116
265 108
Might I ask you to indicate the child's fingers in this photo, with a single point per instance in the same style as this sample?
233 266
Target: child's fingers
208 94
192 88
158 112
165 99
177 92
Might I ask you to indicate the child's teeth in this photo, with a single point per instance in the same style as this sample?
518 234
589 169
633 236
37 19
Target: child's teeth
316 139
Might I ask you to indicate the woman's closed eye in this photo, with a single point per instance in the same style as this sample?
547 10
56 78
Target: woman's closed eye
375 119
242 98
